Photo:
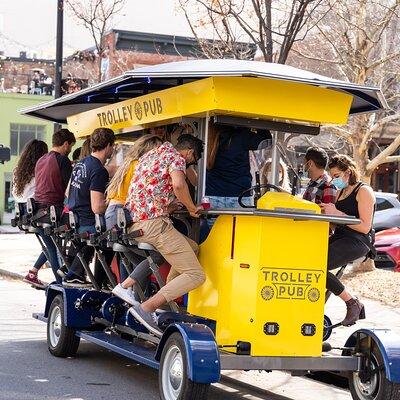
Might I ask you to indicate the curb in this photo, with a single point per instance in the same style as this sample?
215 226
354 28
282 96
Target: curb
11 275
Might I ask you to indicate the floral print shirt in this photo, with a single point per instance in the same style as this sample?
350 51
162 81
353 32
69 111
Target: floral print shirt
150 192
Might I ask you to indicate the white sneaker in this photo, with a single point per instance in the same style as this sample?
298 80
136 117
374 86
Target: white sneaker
126 295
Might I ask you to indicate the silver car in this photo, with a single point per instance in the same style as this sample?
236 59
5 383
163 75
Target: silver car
387 213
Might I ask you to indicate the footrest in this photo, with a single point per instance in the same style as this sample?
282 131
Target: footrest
137 352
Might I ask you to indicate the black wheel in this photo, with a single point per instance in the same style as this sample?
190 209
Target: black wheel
61 340
173 381
327 332
370 383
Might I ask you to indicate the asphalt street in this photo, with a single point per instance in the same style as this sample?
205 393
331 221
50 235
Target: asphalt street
29 372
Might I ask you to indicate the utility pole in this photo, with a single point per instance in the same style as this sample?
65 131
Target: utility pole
59 53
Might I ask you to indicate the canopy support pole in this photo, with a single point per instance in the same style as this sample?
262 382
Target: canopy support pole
275 158
203 135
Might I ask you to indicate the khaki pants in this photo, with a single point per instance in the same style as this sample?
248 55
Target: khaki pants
186 272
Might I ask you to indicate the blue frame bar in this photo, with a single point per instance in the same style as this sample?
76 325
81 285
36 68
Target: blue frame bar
121 346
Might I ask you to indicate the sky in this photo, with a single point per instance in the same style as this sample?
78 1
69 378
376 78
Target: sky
30 25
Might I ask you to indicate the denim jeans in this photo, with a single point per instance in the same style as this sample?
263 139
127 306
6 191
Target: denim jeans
52 254
111 215
40 261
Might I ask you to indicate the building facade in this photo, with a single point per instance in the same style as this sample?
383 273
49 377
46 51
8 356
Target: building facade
15 131
26 75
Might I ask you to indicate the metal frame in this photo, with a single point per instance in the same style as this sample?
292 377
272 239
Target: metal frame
324 363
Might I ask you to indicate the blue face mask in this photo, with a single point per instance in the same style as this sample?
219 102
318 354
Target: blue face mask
339 183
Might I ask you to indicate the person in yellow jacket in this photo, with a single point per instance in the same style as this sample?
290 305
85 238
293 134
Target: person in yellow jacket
117 190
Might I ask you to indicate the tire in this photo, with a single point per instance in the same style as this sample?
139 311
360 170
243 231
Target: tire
61 340
178 386
378 387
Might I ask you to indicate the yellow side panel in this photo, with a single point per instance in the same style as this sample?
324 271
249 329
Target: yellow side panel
265 270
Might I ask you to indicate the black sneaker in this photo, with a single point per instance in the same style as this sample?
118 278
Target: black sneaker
63 271
76 281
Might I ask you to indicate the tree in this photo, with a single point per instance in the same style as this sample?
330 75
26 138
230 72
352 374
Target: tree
96 16
271 26
358 41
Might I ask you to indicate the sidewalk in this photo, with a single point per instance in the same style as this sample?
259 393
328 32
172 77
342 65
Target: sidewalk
18 253
8 229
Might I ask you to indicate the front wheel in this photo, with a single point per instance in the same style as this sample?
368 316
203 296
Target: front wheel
61 340
371 383
173 381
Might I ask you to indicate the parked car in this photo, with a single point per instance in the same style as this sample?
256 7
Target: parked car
387 211
387 244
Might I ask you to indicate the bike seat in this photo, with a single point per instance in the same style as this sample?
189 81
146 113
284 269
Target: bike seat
145 246
32 229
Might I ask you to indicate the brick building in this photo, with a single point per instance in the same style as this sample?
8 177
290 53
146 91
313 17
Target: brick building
127 50
23 74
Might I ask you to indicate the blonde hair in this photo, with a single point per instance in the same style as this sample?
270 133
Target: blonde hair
285 183
140 147
85 149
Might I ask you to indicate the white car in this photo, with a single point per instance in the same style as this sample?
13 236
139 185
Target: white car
387 213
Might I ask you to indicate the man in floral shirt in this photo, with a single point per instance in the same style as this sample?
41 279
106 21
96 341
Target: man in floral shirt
159 178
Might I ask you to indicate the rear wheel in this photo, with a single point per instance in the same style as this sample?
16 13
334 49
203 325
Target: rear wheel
173 381
61 340
371 383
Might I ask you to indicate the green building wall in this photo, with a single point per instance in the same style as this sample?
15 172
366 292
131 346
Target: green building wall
10 103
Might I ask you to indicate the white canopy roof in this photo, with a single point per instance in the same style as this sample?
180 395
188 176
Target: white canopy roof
162 76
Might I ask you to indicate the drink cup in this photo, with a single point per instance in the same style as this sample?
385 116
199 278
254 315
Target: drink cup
205 202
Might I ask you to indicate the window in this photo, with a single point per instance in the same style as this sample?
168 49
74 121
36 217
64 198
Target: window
382 204
8 203
21 134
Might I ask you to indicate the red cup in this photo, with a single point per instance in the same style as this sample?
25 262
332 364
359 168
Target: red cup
205 202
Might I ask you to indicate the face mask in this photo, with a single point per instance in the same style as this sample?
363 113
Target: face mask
339 183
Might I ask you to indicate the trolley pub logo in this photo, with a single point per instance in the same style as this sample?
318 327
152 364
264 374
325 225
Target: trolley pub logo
125 113
295 284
